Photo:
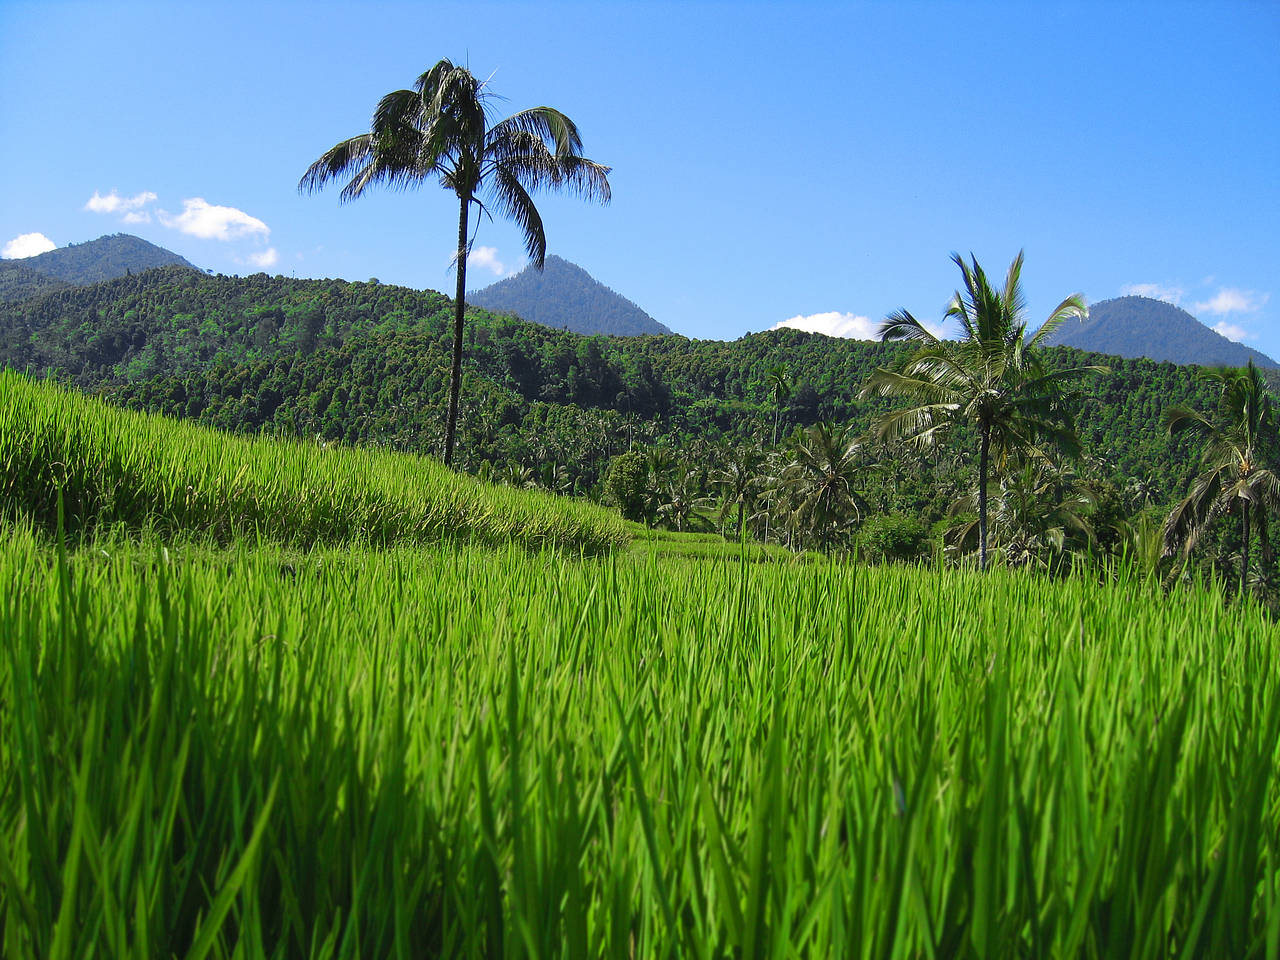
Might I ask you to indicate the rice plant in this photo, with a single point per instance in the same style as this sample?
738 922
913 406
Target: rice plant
238 752
112 466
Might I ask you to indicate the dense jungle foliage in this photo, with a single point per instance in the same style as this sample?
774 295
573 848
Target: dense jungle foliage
367 363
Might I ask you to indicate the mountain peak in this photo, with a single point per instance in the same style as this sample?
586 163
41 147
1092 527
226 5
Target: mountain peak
564 295
78 264
1133 326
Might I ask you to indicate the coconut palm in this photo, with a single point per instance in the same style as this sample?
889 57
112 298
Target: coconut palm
993 377
1238 469
440 129
739 480
780 387
821 480
1040 509
680 501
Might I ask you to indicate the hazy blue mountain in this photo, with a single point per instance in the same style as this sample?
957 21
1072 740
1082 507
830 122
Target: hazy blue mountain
565 296
1142 327
78 264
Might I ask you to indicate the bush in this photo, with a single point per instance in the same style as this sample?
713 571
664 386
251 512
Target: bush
894 538
624 484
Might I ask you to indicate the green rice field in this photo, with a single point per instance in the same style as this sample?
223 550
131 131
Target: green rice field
114 467
258 750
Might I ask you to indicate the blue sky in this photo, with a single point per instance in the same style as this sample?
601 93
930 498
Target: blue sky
769 161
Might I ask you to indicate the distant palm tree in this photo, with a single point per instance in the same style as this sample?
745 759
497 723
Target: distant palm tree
992 377
441 129
739 480
821 481
1040 508
1237 462
780 387
680 501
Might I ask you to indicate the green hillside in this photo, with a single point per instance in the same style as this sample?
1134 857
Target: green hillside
367 363
103 466
18 281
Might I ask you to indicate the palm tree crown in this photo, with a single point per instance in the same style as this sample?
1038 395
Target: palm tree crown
440 129
993 377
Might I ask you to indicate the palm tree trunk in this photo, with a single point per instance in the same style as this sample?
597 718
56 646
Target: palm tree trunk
1264 541
777 415
1244 548
983 464
459 305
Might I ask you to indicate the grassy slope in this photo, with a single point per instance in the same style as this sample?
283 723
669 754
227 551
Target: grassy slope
439 752
116 466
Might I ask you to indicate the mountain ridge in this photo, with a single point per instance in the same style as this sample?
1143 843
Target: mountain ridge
565 296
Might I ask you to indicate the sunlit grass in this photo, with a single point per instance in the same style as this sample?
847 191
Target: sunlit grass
114 466
451 752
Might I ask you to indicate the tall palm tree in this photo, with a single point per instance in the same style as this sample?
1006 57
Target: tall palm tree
441 129
1237 463
780 387
993 377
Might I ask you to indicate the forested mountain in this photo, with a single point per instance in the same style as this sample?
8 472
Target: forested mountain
82 263
1142 327
368 363
565 296
18 281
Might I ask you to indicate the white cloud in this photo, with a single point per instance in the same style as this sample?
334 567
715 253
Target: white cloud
114 203
1230 330
266 258
137 216
850 326
1231 300
1155 291
210 222
833 324
27 245
487 258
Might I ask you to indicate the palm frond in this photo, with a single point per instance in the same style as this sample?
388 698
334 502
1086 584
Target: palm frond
339 160
1179 418
1072 307
903 326
891 383
514 201
919 424
547 124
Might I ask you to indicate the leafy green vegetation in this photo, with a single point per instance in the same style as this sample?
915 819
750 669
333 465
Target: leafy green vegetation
368 364
1238 459
110 466
992 377
443 752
